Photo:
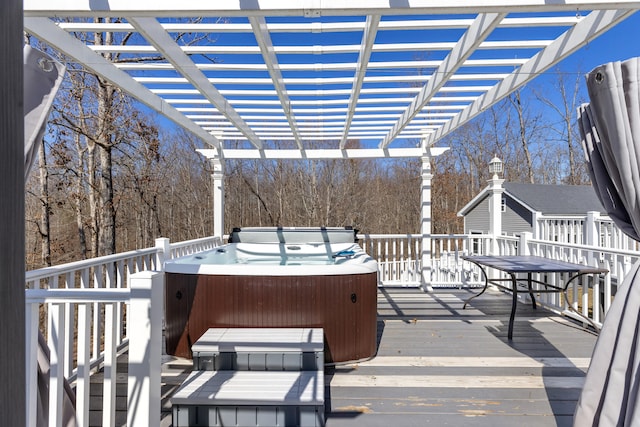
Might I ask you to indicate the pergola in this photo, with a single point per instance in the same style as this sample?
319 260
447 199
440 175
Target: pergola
315 79
306 79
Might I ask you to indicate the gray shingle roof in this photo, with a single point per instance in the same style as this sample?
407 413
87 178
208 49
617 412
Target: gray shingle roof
556 199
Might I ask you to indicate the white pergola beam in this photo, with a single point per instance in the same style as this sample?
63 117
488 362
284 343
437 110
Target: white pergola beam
45 29
151 29
323 50
324 81
322 66
309 8
326 27
318 154
477 32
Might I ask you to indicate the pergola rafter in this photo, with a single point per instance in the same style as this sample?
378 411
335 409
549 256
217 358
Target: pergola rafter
587 29
368 37
259 26
477 32
164 43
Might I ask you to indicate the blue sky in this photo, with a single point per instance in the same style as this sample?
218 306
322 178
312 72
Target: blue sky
618 44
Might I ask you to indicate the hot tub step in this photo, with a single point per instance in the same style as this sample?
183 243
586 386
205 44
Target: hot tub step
250 398
259 349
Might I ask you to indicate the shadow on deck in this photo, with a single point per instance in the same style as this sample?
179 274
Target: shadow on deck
443 366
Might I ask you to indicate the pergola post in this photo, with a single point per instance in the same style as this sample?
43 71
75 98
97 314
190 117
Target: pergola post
425 222
217 176
12 297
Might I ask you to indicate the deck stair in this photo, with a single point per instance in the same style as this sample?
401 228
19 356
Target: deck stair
254 377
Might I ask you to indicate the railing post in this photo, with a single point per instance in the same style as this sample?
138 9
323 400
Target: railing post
217 177
145 347
164 252
537 226
523 243
591 229
495 212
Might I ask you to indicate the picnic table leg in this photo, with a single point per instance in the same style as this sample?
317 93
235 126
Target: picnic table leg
514 304
486 283
533 299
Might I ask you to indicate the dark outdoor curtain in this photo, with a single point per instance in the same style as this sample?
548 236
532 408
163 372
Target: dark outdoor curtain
42 78
610 128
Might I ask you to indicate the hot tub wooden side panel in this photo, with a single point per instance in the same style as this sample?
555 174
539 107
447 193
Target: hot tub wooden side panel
344 305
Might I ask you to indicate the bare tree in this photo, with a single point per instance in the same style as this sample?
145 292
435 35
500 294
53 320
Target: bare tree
564 105
516 101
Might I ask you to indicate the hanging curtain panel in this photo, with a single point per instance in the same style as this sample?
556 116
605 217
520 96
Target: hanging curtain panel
610 128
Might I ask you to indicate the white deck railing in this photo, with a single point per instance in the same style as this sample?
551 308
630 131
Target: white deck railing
84 308
81 309
399 257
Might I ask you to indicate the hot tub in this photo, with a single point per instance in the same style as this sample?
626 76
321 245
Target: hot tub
327 283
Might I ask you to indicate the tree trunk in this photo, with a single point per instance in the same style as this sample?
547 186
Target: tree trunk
523 135
106 140
93 201
45 227
107 235
82 237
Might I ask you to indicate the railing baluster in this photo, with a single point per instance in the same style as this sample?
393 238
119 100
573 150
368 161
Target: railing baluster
110 366
121 283
56 363
68 333
83 371
97 318
32 348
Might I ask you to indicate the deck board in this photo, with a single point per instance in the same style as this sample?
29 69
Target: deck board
439 365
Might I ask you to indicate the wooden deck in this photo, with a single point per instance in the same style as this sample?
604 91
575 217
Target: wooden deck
443 366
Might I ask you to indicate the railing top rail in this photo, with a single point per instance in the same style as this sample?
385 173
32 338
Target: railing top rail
417 236
194 242
77 295
594 248
560 217
86 263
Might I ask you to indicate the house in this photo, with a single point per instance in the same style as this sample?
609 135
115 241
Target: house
522 206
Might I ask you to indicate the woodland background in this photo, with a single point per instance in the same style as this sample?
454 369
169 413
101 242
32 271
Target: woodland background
113 177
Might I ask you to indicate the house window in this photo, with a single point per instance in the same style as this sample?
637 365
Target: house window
503 205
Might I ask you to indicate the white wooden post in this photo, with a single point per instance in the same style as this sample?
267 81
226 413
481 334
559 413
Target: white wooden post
425 228
523 243
145 347
591 229
218 196
537 227
495 212
164 252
